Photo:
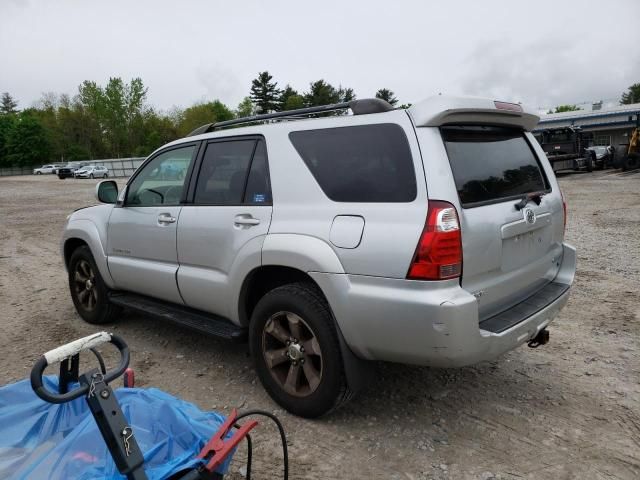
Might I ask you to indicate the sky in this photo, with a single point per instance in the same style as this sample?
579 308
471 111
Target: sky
542 53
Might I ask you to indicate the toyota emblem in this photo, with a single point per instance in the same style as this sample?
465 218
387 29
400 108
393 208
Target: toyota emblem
529 215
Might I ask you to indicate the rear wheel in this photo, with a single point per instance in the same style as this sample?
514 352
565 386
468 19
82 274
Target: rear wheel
88 290
589 163
631 162
295 346
38 173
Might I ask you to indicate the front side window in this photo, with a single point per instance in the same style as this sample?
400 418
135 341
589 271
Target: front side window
162 180
224 175
364 163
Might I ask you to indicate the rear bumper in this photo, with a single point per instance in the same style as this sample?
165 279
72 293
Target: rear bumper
430 323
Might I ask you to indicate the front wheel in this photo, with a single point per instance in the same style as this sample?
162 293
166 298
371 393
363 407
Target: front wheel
295 346
106 175
38 173
91 176
88 290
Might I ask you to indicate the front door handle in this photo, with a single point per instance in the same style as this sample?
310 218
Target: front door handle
166 218
245 220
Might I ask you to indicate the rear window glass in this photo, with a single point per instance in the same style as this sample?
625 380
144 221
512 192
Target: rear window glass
364 163
491 163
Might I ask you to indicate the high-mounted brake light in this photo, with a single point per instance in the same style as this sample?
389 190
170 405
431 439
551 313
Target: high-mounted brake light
512 107
438 255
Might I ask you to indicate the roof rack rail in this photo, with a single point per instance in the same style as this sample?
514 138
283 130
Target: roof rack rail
358 107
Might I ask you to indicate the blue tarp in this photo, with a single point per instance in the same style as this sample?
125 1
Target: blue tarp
39 440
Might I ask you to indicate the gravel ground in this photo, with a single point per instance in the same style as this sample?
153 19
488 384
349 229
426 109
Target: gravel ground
568 410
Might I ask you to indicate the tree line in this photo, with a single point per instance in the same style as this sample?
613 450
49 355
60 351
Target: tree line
116 121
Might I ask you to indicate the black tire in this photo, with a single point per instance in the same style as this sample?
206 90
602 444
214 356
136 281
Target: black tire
106 175
61 177
589 162
91 176
101 310
307 303
38 173
631 162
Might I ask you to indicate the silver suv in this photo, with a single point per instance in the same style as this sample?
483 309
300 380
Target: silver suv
430 236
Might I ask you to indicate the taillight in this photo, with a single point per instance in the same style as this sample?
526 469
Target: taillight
439 252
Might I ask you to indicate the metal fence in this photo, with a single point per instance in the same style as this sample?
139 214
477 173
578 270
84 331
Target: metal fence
118 167
6 172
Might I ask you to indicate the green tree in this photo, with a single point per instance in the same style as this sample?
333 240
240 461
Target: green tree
632 95
245 108
387 95
89 106
321 93
7 123
290 99
566 108
7 104
201 114
346 94
265 93
27 142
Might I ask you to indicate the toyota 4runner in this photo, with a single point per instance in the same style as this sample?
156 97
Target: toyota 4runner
431 236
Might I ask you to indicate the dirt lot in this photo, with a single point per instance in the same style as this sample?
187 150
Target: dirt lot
568 410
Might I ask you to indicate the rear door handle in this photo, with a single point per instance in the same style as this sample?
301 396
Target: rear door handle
166 218
245 220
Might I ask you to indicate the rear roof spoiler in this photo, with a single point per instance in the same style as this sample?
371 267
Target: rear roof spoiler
444 110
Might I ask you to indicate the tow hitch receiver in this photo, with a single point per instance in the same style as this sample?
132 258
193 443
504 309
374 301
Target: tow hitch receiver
542 338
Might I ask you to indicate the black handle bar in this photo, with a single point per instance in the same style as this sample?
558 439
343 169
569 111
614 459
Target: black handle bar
69 350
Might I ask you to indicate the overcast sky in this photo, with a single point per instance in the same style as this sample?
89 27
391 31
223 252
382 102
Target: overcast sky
542 53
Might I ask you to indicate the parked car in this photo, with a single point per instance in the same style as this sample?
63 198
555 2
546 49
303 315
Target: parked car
604 156
69 170
43 169
431 236
92 171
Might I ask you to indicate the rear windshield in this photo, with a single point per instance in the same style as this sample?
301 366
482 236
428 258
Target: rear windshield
364 163
491 164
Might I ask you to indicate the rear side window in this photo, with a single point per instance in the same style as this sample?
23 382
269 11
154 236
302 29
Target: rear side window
223 174
364 163
491 164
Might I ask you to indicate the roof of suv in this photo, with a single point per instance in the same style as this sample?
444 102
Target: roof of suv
432 112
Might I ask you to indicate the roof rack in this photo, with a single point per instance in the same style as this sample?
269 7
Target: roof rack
358 107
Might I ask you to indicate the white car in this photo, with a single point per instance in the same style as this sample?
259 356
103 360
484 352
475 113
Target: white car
92 171
44 169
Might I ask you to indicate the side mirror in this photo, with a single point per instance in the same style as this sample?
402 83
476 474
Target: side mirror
107 191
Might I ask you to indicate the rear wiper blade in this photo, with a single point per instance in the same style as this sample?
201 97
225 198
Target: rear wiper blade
535 197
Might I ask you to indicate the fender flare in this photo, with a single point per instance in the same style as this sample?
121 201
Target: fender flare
303 252
87 231
310 254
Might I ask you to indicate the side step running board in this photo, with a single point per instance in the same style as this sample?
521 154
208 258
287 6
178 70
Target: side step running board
202 322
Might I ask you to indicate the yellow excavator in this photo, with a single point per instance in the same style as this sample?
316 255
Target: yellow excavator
631 158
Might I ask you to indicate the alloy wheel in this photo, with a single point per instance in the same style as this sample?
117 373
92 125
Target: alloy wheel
292 354
85 285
